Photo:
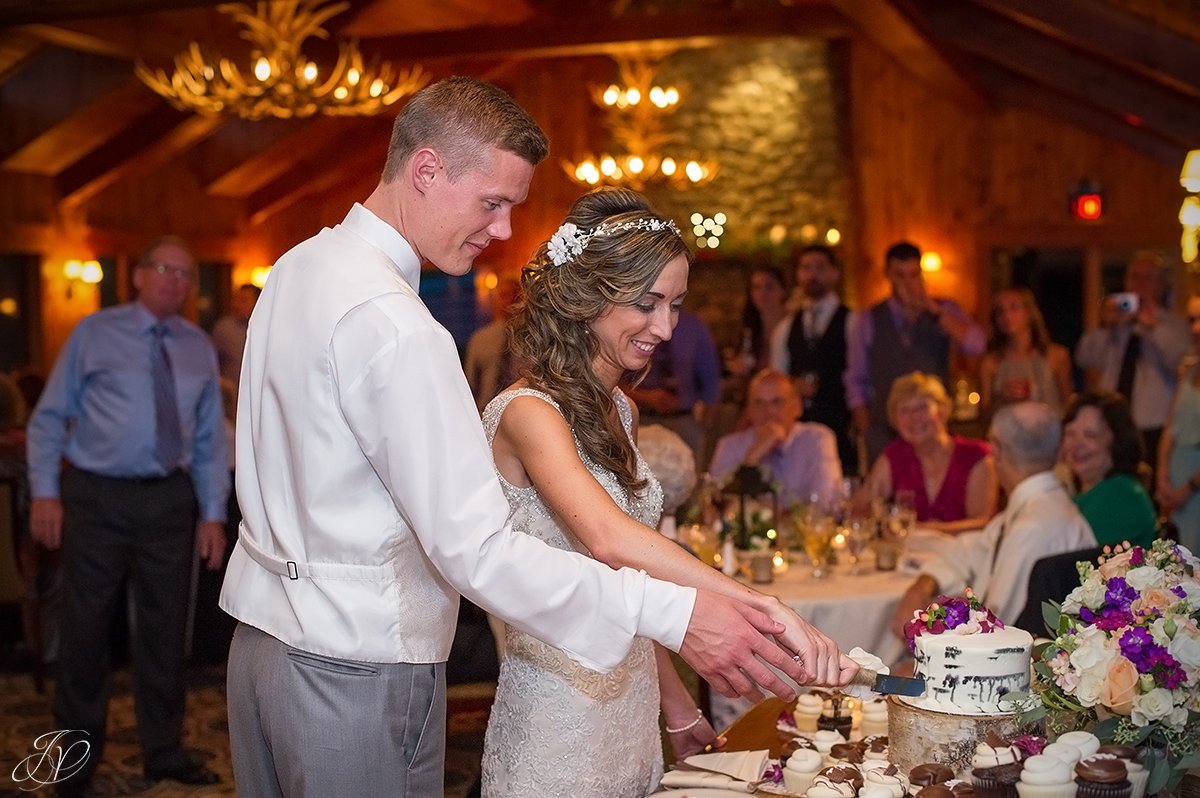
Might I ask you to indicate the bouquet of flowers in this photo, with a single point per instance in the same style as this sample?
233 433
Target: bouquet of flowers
958 615
1126 656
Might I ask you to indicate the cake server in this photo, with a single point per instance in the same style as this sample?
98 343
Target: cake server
886 684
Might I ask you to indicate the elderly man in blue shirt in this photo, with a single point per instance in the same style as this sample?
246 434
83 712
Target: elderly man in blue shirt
134 409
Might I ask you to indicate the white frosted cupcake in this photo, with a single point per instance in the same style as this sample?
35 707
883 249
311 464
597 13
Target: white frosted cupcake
890 778
800 770
839 781
1087 743
1046 776
806 712
1135 771
826 739
1064 751
874 717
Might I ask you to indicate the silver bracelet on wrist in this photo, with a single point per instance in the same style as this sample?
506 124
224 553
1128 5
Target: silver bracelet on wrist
690 726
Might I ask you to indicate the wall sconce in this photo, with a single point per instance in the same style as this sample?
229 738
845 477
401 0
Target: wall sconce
1189 217
258 275
1189 178
931 262
82 271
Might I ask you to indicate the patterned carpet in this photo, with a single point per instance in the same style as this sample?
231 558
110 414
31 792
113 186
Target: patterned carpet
24 716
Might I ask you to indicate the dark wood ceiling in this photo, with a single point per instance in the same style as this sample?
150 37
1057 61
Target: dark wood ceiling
1128 70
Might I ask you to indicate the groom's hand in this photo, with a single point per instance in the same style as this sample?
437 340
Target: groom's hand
726 644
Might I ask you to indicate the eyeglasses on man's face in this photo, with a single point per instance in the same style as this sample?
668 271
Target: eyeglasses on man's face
178 272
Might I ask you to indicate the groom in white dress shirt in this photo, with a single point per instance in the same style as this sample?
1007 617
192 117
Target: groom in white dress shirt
370 500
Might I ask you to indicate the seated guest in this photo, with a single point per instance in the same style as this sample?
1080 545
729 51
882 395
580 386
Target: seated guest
1102 448
952 479
800 457
1040 520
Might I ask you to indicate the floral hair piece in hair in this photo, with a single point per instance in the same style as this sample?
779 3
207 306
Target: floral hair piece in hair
568 241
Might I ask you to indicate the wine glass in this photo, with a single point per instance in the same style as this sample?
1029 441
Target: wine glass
857 533
818 543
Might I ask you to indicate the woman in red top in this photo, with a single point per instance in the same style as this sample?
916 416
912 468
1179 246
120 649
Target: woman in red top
952 479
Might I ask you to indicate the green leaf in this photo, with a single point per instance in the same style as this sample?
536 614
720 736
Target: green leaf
1051 612
1106 728
1160 772
1188 761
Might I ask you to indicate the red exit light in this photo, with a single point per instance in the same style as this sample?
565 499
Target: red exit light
1088 207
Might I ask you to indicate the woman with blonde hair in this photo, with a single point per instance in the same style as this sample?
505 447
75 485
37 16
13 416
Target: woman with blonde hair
598 298
952 479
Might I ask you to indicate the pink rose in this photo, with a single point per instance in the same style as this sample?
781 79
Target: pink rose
1116 565
1153 598
1120 686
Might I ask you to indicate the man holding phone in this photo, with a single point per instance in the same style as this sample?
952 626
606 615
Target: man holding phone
1137 349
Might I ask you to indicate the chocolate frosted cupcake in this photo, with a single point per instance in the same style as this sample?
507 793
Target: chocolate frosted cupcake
839 781
996 768
846 752
1138 775
797 744
929 774
1102 776
889 778
961 788
836 715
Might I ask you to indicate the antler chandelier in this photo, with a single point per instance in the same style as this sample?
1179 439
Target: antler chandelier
637 113
282 82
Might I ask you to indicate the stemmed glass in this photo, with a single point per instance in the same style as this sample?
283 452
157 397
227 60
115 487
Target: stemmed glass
818 543
857 533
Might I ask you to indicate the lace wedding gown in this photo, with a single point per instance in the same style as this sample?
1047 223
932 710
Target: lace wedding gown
558 728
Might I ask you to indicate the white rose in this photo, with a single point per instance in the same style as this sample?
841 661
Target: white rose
1091 593
971 627
1186 648
1090 650
1177 719
1145 576
1152 706
1158 632
1191 589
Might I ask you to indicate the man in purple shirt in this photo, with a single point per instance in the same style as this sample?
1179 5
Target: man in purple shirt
908 331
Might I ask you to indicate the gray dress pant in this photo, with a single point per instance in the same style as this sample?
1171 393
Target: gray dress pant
304 725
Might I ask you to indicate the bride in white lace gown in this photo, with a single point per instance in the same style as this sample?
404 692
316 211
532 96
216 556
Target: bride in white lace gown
598 298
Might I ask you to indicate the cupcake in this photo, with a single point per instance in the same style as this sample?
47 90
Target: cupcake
825 739
930 773
808 709
935 791
839 781
1102 776
800 770
846 752
874 754
889 777
796 744
1138 775
1064 751
1086 742
996 767
1046 776
836 715
961 788
874 717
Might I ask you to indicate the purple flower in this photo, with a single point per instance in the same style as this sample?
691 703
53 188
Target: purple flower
773 774
1029 744
1087 616
1113 619
1135 644
957 613
1179 591
1137 556
1119 593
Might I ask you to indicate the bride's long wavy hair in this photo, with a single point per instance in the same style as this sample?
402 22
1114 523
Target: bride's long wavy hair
551 328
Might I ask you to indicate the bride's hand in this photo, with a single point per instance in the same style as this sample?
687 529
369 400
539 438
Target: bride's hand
822 660
694 740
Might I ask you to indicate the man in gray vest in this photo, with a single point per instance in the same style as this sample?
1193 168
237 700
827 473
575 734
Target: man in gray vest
908 331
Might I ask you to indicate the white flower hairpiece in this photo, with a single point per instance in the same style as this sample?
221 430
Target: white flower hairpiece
568 241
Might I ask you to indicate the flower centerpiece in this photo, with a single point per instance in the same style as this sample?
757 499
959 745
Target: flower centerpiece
1125 658
959 615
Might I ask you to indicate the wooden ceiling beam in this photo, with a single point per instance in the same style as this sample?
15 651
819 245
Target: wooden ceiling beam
284 154
88 128
1112 34
1021 50
548 36
20 12
17 49
322 171
152 140
1013 90
885 25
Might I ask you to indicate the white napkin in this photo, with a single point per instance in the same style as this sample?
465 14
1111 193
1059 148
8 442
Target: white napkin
741 765
683 779
869 661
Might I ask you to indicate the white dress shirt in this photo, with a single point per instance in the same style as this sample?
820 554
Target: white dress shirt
368 490
1040 520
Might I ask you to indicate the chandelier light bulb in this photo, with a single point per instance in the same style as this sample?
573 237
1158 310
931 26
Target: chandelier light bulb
310 72
672 95
608 166
633 96
262 68
353 76
73 269
91 273
833 236
378 87
694 171
720 218
635 164
1189 178
667 167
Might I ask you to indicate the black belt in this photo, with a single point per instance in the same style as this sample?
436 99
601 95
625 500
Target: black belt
134 480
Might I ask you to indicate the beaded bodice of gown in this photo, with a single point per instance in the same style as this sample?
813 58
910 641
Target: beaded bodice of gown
556 727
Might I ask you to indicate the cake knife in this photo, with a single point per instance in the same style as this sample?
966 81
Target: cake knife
886 684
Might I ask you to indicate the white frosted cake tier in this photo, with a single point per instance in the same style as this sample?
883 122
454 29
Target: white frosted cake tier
969 674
